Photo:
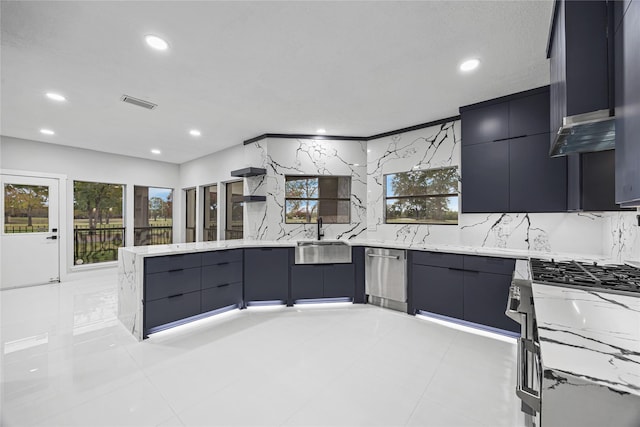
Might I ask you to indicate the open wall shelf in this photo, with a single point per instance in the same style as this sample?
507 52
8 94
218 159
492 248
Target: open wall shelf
248 172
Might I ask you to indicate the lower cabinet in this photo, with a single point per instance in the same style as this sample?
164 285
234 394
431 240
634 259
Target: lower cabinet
471 288
171 309
438 290
221 296
322 281
266 274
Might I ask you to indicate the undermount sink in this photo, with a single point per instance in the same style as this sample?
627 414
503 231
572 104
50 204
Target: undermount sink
322 252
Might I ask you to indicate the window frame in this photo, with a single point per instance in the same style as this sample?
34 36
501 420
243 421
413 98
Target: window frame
419 196
318 199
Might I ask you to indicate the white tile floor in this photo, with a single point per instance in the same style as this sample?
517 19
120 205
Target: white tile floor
66 360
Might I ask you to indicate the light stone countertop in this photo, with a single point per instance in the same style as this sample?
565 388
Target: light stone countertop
181 248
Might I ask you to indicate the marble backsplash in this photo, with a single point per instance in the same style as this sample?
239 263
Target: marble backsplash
281 157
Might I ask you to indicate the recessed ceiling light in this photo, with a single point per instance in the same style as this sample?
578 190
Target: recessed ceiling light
469 64
56 96
156 42
321 130
156 151
194 132
47 132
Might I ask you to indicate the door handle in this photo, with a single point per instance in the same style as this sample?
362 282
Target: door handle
52 238
384 256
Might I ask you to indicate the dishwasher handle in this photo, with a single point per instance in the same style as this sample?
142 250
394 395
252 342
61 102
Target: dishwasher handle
384 256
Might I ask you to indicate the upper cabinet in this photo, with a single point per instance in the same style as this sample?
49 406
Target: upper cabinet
505 156
582 81
579 61
627 108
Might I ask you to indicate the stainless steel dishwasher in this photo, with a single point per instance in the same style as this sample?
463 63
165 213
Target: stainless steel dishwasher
385 278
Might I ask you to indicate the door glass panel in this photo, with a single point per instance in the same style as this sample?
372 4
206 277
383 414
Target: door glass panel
98 221
190 220
210 213
26 208
235 210
153 216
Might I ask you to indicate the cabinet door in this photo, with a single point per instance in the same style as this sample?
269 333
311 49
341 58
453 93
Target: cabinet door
168 283
221 274
358 264
529 115
485 177
221 296
437 290
627 150
171 309
485 124
537 182
598 181
266 274
338 280
485 300
306 281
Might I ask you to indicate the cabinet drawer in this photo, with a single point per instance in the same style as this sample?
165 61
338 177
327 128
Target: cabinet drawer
438 259
171 262
221 274
165 284
221 296
489 264
168 310
220 257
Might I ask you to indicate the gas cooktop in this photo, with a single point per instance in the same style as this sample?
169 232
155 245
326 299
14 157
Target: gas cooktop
613 278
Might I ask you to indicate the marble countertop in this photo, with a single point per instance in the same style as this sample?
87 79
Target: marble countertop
590 335
178 248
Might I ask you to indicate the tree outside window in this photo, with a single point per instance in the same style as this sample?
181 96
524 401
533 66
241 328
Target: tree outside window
310 197
422 197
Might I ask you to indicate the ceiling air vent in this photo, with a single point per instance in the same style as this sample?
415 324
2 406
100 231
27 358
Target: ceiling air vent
139 102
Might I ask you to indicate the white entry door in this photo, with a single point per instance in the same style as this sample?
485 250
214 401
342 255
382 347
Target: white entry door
30 248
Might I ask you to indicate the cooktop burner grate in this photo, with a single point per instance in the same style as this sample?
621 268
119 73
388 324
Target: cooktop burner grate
616 278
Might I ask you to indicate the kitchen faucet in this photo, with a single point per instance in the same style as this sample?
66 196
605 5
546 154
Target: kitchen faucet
320 231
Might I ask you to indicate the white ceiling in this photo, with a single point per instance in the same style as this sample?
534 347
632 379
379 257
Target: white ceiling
235 70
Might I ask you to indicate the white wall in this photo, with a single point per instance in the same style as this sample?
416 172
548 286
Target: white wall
87 165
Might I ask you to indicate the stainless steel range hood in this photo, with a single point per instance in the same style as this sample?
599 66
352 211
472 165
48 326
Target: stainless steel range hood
583 133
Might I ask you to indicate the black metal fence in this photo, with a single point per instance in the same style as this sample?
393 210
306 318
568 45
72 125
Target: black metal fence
233 234
211 234
91 245
143 236
39 228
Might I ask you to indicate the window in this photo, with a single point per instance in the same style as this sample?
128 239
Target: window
190 220
210 232
26 208
422 197
310 197
235 210
98 225
152 216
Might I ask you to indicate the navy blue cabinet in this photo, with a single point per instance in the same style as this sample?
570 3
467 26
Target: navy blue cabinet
221 279
438 290
338 280
266 274
627 84
357 256
485 177
322 281
513 173
485 299
485 124
171 289
466 287
537 183
529 115
307 282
